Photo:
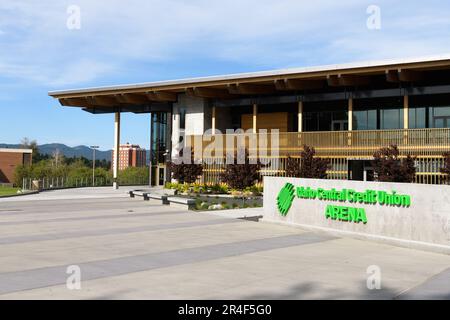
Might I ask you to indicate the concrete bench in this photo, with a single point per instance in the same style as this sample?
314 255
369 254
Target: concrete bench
190 203
147 196
165 199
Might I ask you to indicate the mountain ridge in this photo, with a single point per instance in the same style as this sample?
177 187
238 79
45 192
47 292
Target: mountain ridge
69 152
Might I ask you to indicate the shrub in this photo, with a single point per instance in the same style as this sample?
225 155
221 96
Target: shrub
446 168
292 167
134 175
310 166
186 172
388 166
241 175
255 190
219 189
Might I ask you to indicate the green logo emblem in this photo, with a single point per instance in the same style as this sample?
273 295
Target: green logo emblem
285 198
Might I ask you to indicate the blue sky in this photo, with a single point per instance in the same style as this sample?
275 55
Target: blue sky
132 41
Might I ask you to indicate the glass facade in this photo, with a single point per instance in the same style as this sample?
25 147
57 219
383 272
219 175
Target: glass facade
182 118
159 138
431 111
325 116
382 113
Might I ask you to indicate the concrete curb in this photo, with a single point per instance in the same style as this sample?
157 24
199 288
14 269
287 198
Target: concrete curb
19 194
410 244
246 213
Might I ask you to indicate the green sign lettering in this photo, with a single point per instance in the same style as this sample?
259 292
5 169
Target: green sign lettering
341 213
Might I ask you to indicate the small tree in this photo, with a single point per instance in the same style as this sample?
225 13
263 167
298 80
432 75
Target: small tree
241 173
310 166
186 172
292 167
446 168
389 167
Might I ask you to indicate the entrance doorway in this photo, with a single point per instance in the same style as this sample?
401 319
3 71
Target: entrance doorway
339 125
360 170
159 147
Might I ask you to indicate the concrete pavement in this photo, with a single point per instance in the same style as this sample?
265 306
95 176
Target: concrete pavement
131 249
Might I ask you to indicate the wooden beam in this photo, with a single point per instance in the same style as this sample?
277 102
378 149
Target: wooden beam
249 88
106 101
333 81
74 102
132 98
209 93
353 80
347 80
392 76
298 84
162 96
410 75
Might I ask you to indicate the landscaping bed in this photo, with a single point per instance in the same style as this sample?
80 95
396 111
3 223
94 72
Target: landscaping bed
218 197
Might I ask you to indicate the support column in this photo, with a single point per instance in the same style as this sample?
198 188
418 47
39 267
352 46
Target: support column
405 112
300 116
350 114
255 115
405 118
213 121
350 121
150 153
116 149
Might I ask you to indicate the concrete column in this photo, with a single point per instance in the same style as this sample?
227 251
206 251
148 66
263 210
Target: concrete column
350 121
213 120
300 116
116 149
255 115
150 152
350 114
406 112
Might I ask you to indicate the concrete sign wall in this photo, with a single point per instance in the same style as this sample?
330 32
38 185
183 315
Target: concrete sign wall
410 215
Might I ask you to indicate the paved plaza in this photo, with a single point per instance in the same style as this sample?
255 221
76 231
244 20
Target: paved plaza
133 249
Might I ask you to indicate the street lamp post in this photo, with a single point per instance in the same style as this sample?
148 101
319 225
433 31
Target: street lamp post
93 164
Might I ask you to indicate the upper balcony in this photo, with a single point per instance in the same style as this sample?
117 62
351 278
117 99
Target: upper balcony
358 144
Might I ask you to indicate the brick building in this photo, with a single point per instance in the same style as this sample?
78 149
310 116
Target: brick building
130 155
10 159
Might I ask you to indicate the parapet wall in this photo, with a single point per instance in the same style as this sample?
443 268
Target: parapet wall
411 215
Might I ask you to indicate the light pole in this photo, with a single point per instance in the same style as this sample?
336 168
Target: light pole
93 164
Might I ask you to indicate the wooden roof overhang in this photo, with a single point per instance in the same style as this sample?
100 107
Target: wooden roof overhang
158 96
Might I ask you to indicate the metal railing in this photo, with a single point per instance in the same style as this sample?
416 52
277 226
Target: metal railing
427 145
53 183
417 142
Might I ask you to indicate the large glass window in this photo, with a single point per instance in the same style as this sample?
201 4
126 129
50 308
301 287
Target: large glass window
391 118
365 119
417 118
159 137
439 117
429 111
182 118
325 116
378 113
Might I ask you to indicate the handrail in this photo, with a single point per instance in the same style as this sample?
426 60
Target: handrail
418 142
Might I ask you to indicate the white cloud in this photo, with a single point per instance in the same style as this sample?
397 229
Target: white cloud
37 46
